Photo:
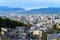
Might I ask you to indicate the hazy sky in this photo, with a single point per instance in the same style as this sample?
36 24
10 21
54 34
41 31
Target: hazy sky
30 4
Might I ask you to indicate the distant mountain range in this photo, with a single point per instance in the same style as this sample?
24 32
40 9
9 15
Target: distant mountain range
49 10
9 9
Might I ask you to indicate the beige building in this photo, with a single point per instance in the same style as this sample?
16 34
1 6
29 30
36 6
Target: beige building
38 32
54 39
58 26
3 31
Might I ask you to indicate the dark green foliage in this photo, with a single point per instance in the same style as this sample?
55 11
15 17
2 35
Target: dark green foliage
54 27
10 23
45 36
59 24
58 29
7 22
1 23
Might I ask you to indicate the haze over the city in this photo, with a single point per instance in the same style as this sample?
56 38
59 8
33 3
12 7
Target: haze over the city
30 4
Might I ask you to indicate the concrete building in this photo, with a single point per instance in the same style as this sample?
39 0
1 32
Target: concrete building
55 36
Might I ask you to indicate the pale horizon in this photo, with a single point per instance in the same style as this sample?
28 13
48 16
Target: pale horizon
30 4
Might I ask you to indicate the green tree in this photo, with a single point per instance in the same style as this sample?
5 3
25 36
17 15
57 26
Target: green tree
45 36
7 22
54 26
1 23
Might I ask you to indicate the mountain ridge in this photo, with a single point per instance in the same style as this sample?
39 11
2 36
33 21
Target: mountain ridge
6 9
49 10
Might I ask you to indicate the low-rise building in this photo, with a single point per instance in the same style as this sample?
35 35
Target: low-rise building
55 36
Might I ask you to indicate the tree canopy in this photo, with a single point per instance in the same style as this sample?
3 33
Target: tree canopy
8 23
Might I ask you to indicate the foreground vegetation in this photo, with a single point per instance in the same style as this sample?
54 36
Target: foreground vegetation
8 23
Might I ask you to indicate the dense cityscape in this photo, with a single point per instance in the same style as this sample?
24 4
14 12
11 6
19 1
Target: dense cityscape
29 19
30 27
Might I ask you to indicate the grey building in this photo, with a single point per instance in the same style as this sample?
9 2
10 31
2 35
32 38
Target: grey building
55 36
